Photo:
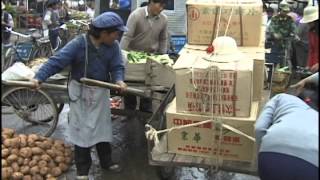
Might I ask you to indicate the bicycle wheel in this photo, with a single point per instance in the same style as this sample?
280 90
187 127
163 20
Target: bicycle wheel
34 111
7 59
43 51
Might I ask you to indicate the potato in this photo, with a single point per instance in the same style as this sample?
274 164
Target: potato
12 158
36 158
33 163
58 152
26 152
59 142
67 160
34 137
52 164
4 163
7 131
17 175
59 159
5 152
56 171
51 178
26 161
47 144
30 142
7 142
44 170
63 167
15 167
67 152
23 140
34 170
6 172
45 157
27 177
42 138
25 169
59 148
51 153
42 163
20 161
15 151
37 177
36 150
15 142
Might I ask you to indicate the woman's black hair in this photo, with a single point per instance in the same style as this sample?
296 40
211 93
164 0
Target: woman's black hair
95 32
310 95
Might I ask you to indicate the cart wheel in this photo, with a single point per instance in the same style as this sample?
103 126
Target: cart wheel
59 108
7 60
34 111
166 172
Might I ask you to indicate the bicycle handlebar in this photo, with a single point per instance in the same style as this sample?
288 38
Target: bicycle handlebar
18 34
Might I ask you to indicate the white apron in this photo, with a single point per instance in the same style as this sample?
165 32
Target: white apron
89 117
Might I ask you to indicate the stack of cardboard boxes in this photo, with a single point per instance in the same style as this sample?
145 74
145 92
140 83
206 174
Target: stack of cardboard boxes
240 84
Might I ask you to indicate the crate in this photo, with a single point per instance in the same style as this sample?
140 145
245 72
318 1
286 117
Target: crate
178 41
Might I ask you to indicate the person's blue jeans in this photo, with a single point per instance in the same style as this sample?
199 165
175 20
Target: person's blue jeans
277 166
53 37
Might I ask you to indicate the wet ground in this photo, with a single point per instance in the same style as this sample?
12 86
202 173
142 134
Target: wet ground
130 150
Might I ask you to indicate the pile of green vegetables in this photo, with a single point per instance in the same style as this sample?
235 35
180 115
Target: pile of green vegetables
136 57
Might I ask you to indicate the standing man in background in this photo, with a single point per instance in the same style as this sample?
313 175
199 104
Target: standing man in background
148 32
6 22
51 22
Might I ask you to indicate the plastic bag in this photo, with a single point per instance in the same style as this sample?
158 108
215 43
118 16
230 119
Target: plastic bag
18 71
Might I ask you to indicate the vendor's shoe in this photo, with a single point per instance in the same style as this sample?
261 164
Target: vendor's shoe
82 178
114 167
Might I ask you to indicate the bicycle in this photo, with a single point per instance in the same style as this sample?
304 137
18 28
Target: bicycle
24 51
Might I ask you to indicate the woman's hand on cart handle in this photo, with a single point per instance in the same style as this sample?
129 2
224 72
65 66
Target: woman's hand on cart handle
123 86
36 83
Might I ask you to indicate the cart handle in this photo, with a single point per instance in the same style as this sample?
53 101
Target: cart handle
31 85
129 90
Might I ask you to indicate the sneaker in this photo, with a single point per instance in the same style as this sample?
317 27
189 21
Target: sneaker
114 167
82 178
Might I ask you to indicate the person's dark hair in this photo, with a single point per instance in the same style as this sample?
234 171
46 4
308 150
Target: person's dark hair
144 4
159 1
310 95
95 32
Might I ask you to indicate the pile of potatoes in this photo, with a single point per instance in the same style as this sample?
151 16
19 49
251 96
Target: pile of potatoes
32 156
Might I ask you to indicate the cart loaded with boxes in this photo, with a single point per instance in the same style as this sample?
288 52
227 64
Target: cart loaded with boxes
207 119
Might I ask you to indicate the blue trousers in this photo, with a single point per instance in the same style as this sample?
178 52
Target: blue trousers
277 166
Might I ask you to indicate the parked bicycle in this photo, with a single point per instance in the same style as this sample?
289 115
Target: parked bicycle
24 51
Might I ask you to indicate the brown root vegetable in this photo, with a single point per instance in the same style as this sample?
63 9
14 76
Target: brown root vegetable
44 170
15 167
27 177
63 167
42 163
67 152
7 131
14 151
67 160
5 152
6 172
7 143
59 159
23 142
20 161
34 170
4 163
17 175
47 144
15 142
58 152
37 177
56 171
59 142
42 138
52 164
36 158
12 158
36 150
25 169
45 157
50 177
51 153
26 152
59 148
33 163
34 137
26 161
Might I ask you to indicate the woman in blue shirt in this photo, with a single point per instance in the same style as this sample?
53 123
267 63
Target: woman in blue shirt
94 55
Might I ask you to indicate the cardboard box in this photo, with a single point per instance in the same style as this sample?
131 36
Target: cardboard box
203 20
197 90
203 140
255 53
